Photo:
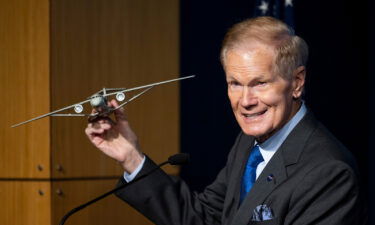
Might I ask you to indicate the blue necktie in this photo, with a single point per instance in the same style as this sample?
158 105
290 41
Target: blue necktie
249 175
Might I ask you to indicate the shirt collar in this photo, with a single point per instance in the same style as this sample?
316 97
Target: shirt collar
270 146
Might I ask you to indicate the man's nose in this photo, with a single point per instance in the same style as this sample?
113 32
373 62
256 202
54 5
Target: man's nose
248 97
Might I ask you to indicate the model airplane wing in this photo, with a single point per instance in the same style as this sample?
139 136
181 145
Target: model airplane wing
99 101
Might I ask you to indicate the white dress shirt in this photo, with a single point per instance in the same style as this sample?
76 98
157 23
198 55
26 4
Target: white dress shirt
129 177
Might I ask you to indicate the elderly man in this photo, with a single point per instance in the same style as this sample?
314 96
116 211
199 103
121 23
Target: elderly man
284 168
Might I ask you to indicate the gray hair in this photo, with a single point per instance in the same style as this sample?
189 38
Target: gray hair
291 50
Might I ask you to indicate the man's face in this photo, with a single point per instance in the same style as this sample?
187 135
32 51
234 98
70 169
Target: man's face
262 101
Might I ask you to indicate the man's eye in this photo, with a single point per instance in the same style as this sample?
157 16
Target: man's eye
234 85
261 83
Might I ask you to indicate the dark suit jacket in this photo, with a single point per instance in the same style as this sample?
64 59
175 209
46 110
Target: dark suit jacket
311 179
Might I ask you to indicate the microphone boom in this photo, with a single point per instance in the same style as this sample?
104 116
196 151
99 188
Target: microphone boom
177 159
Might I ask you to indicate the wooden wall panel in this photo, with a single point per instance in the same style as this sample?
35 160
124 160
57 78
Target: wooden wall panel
113 43
56 52
25 203
110 210
24 84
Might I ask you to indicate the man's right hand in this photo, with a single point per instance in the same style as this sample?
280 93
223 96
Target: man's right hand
116 139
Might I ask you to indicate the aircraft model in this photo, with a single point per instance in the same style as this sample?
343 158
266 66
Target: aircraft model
98 101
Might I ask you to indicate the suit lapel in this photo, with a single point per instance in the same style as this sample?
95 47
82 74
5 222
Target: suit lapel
261 189
295 142
245 144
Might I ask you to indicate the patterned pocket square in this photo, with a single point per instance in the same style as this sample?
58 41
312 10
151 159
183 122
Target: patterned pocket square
262 213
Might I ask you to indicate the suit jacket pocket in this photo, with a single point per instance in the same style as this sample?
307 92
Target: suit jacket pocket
274 221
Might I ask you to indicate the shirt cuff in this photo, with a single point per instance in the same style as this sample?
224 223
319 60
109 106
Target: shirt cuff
129 177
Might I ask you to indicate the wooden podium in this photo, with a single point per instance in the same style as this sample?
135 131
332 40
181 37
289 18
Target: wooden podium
55 53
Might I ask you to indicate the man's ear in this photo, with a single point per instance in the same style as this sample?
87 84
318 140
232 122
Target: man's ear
299 75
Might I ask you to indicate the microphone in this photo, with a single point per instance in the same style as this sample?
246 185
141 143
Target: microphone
177 159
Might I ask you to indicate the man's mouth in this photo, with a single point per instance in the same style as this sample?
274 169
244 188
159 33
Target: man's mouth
253 115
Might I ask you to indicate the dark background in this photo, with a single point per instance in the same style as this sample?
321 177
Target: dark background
339 89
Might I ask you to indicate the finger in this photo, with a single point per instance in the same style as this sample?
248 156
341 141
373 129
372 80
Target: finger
119 113
90 131
99 127
113 103
102 126
99 119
